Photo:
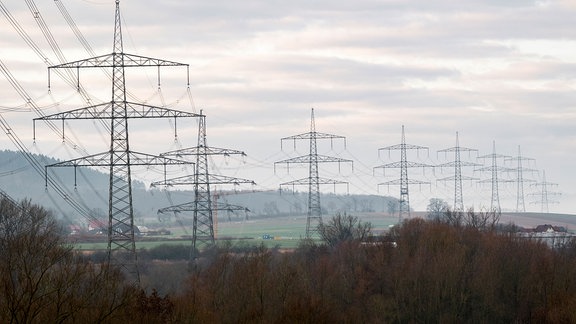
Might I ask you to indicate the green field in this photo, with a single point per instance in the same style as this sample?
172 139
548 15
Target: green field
283 232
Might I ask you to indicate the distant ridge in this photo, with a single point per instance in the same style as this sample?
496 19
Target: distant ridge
19 180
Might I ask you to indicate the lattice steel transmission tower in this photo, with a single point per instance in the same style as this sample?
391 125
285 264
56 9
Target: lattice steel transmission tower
313 181
494 169
119 158
544 193
202 206
458 177
520 169
403 165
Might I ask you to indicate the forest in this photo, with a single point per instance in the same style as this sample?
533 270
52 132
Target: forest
421 271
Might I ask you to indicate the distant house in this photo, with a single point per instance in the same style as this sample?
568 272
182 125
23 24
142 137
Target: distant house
143 229
547 228
97 226
75 229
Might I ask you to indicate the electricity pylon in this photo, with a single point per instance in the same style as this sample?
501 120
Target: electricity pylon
313 181
458 177
494 169
520 205
403 165
202 206
544 193
119 158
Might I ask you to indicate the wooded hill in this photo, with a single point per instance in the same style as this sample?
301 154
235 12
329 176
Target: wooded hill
19 180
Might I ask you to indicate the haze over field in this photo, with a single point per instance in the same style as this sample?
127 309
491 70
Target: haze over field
500 71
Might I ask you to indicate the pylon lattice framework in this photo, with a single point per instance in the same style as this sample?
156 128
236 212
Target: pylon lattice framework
458 177
119 158
202 206
520 169
404 181
313 181
544 194
494 180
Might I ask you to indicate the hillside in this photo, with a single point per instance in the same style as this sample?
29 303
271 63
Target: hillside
19 180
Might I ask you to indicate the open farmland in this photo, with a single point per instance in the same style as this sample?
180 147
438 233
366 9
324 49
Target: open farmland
286 232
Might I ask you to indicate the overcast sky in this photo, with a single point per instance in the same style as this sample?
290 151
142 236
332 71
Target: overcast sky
494 71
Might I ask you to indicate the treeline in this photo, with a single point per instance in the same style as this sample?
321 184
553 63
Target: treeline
423 271
435 273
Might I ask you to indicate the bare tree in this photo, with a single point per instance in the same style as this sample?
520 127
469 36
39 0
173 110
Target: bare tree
484 220
344 227
43 280
436 208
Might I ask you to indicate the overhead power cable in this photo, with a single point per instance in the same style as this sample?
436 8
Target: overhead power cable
74 27
83 210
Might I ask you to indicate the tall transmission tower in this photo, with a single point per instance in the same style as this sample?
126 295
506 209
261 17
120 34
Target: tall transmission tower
313 181
494 169
403 165
457 177
520 169
119 158
544 194
202 206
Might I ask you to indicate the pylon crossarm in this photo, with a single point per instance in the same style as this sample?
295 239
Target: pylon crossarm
310 135
494 155
398 182
497 180
495 168
455 178
138 60
457 149
212 179
306 181
137 158
136 110
454 164
192 206
99 111
403 147
316 158
105 111
197 150
103 159
408 164
107 60
523 170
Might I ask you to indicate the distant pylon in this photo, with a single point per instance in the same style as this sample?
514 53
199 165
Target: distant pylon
404 164
202 206
520 169
544 194
494 169
313 181
458 177
121 243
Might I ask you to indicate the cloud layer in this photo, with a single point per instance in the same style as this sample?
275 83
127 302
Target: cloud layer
491 70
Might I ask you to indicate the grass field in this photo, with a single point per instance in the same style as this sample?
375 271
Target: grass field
283 232
286 232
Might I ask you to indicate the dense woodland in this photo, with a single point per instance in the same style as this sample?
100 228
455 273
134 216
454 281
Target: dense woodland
422 271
